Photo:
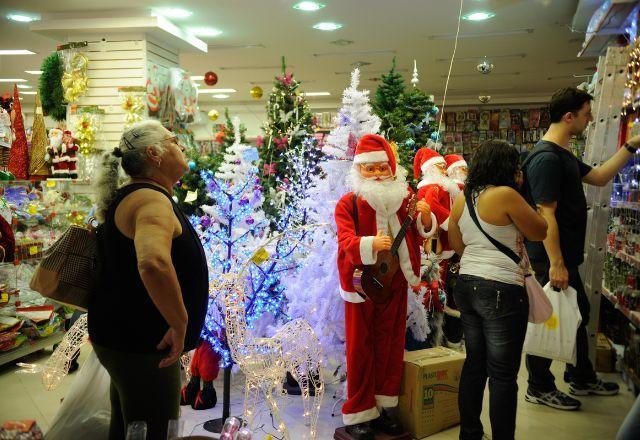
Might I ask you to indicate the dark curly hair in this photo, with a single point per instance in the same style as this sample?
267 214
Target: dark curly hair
495 163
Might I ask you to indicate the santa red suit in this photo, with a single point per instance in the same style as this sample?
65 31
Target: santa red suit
375 333
434 189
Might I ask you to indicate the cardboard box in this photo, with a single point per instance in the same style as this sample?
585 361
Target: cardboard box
429 395
605 355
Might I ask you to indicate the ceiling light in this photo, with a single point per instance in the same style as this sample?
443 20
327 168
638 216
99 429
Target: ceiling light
205 31
221 96
12 80
24 86
316 94
481 34
33 72
28 93
22 18
197 78
478 16
174 12
16 52
308 6
217 91
327 26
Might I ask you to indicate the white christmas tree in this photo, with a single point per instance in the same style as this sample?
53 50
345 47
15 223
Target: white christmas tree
354 120
235 165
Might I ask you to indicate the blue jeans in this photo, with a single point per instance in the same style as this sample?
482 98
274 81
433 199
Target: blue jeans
494 319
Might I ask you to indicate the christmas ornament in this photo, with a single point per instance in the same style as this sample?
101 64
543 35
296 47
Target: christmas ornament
414 78
485 67
259 141
484 98
19 155
434 110
85 130
213 114
210 78
256 92
39 142
133 104
50 85
192 165
435 136
74 80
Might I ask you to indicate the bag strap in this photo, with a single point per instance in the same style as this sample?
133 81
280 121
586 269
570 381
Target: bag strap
355 212
501 247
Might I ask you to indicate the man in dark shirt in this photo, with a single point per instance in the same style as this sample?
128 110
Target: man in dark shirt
554 177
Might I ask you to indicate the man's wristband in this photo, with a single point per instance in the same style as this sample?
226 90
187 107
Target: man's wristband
630 149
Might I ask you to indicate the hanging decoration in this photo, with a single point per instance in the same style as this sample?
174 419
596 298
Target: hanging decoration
211 78
51 92
38 166
213 114
256 92
75 81
133 104
87 127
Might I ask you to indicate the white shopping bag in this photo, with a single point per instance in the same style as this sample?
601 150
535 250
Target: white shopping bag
556 338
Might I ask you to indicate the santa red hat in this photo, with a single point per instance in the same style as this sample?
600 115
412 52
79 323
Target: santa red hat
425 157
374 148
454 161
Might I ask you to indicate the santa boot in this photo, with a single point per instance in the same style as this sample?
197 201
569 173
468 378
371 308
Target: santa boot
206 398
189 392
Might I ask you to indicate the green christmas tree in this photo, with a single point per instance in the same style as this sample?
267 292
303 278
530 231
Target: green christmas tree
387 97
191 191
288 132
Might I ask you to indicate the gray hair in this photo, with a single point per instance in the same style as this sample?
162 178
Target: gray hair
131 155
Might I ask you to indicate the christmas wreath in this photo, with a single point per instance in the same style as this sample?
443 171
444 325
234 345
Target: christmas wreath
51 92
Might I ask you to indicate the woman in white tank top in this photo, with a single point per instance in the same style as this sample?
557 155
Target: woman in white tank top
490 290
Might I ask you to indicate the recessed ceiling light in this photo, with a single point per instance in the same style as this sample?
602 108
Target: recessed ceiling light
23 18
33 72
478 16
12 80
174 12
16 52
217 91
327 26
317 94
197 78
308 6
221 96
205 31
28 93
24 86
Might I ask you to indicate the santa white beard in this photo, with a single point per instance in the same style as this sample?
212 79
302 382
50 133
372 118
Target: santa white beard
433 176
384 196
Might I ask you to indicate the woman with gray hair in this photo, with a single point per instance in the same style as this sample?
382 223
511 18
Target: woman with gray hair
152 301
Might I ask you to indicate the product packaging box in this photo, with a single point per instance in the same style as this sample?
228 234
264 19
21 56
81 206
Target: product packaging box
605 355
429 395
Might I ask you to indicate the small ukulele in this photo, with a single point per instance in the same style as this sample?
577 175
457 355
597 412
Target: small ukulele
374 281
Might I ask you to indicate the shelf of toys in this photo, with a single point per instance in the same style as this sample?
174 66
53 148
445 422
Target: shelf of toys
32 216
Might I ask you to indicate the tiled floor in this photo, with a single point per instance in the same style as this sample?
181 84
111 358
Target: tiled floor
22 396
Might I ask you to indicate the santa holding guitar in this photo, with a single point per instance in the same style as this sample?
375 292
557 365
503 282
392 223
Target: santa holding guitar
379 239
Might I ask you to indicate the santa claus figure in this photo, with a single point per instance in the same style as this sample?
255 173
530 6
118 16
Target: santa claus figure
457 171
62 152
368 219
205 367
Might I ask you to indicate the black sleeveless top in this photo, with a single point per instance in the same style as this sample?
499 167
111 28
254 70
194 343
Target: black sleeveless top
122 315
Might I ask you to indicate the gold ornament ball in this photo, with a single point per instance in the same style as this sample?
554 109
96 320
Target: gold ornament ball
213 114
256 92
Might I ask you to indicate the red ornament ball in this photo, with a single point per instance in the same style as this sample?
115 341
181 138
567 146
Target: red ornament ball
210 78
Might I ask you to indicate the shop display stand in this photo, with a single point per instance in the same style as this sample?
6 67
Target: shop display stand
31 347
215 425
602 143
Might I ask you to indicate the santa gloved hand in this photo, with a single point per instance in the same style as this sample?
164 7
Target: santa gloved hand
381 242
423 208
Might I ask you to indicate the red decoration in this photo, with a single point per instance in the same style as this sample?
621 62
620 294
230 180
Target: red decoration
19 156
269 169
259 141
281 142
286 79
210 78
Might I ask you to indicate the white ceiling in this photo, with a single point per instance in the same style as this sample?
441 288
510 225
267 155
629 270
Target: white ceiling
535 65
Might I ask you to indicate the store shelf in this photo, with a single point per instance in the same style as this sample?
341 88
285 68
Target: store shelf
635 206
634 317
30 347
629 259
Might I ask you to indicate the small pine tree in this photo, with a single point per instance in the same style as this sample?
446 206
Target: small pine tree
289 127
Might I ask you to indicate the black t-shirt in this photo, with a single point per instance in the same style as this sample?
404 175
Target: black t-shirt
556 176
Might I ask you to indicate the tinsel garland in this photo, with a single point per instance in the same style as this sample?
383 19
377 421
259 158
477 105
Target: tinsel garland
85 133
75 81
51 92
